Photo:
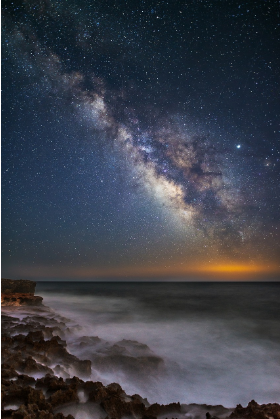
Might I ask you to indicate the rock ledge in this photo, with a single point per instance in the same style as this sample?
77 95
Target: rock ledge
19 292
20 299
23 286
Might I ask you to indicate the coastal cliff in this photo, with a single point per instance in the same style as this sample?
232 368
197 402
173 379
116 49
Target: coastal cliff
11 286
19 292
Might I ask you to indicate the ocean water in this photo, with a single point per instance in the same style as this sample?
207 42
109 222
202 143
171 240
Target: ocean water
214 343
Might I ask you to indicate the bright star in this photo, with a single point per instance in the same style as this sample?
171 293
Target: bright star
238 146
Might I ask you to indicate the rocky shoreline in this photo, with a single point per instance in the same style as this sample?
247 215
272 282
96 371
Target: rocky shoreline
41 379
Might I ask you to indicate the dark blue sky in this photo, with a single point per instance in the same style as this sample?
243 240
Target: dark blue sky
139 138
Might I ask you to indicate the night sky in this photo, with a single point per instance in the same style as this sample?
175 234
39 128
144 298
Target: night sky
140 139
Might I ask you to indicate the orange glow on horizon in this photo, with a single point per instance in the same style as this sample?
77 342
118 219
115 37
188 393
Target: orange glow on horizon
238 269
219 271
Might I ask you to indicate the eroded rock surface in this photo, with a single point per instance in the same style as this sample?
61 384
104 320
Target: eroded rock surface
256 411
136 361
20 299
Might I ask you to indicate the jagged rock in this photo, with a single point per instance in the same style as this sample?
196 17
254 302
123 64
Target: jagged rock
112 400
34 336
137 407
18 352
140 399
55 349
51 383
157 409
36 397
7 371
11 286
46 352
52 347
28 365
25 395
96 391
24 380
75 383
256 411
115 388
115 407
33 412
61 397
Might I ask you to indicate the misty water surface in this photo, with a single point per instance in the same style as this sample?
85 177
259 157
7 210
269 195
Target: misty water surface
219 342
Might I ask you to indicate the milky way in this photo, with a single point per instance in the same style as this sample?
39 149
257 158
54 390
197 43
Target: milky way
181 116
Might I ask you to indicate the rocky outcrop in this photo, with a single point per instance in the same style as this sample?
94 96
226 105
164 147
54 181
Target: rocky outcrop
18 299
20 351
256 411
52 392
27 351
19 392
19 293
22 286
115 401
157 409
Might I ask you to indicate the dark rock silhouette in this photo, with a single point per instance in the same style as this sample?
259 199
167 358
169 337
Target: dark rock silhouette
157 409
209 416
256 411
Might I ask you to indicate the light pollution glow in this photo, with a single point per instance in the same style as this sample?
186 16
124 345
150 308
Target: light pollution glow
201 272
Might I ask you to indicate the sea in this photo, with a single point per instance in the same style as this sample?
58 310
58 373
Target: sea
206 342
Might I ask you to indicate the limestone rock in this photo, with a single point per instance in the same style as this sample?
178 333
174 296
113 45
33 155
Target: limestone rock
61 397
10 286
20 299
157 409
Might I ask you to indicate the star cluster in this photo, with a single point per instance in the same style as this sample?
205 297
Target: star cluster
139 134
